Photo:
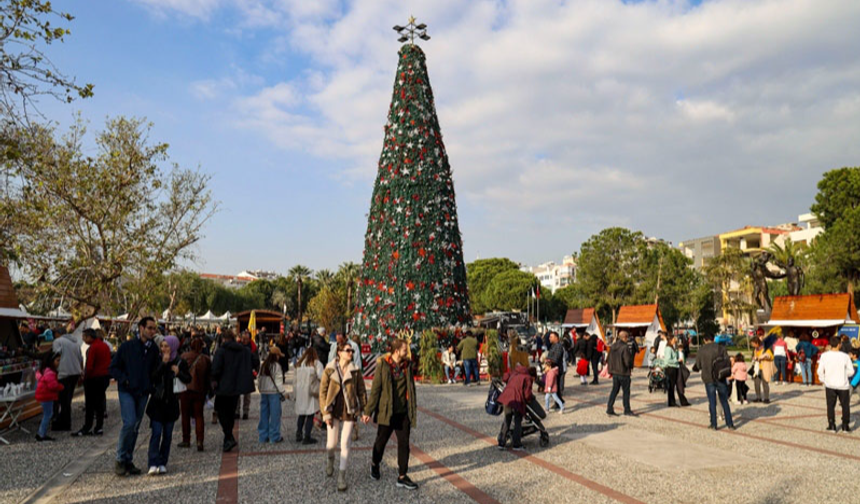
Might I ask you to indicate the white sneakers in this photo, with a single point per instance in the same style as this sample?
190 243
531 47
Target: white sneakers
162 470
153 471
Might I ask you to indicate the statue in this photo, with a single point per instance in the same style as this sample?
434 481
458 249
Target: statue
760 273
794 277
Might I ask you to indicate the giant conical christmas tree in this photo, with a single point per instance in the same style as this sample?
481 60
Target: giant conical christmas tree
412 274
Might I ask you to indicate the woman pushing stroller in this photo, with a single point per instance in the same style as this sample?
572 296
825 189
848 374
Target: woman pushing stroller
515 397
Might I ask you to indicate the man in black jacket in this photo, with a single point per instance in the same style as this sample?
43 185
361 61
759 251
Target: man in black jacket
321 345
620 364
705 358
232 374
593 356
132 367
556 355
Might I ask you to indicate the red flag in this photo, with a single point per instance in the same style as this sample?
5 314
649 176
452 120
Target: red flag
538 291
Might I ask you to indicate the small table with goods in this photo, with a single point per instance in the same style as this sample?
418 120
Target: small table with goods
19 375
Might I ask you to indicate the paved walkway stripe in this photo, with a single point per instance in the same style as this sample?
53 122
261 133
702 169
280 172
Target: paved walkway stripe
742 434
228 476
452 477
769 421
591 485
299 452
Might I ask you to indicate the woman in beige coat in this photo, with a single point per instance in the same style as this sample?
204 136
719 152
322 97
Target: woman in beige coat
342 401
309 371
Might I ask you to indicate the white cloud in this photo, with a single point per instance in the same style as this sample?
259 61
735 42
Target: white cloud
658 114
195 8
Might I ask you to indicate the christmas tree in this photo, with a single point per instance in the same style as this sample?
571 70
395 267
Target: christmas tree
412 275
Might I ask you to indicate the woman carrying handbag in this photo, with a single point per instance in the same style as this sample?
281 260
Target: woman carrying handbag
169 379
270 382
309 371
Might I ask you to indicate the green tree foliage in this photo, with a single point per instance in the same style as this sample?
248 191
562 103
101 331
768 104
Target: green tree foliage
508 290
413 274
429 363
479 274
838 195
88 227
328 309
836 252
609 265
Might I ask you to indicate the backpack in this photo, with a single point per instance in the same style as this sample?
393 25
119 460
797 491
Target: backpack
722 367
493 406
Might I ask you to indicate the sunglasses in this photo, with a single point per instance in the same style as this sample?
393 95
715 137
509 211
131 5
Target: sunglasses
349 350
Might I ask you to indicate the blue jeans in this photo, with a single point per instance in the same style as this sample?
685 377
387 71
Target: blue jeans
449 370
269 427
718 389
159 443
470 366
553 396
47 413
806 371
131 409
781 363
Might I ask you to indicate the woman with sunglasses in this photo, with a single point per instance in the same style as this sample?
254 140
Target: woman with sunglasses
342 400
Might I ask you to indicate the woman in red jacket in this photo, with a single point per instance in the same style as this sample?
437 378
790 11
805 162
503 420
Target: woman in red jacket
47 391
517 393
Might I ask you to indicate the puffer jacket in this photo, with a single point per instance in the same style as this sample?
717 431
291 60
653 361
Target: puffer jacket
354 391
48 388
518 389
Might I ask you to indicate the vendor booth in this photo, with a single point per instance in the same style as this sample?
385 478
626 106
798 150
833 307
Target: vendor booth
17 365
642 322
584 321
269 319
816 317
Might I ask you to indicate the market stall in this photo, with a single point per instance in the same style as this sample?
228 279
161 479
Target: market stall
814 317
642 322
17 365
584 321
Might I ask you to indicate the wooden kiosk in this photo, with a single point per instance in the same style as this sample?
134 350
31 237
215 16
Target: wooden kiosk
823 313
584 320
642 322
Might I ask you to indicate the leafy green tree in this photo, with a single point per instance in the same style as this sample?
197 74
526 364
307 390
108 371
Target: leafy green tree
480 273
413 276
262 290
837 253
609 265
493 349
508 290
300 275
327 309
838 195
87 227
572 296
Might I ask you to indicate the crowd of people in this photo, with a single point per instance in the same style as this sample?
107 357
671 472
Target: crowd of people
167 377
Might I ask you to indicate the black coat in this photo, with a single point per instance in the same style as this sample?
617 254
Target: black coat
580 349
231 370
322 348
591 352
132 366
164 404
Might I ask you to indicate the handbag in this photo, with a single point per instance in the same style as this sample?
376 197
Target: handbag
493 406
178 386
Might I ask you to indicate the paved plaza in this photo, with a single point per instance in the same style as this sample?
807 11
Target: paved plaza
780 453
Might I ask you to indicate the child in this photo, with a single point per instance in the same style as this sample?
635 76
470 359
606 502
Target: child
551 386
582 368
47 391
739 375
855 360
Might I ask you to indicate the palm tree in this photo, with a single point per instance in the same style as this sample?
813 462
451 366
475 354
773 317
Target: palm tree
325 277
299 274
348 273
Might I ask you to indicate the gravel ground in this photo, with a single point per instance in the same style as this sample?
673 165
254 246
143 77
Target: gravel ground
780 453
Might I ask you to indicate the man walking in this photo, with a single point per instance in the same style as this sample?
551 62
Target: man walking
711 359
620 364
96 381
556 355
392 406
468 349
594 354
834 370
131 367
68 374
245 399
232 374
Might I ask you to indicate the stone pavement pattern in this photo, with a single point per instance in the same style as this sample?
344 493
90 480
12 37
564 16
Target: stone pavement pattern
780 453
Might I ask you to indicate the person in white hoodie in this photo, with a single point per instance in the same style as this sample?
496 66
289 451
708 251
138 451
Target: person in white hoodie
834 370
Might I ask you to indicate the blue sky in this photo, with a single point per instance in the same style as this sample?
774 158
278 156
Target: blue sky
560 118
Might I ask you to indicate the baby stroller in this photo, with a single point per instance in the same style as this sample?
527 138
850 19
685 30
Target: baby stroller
532 419
656 379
